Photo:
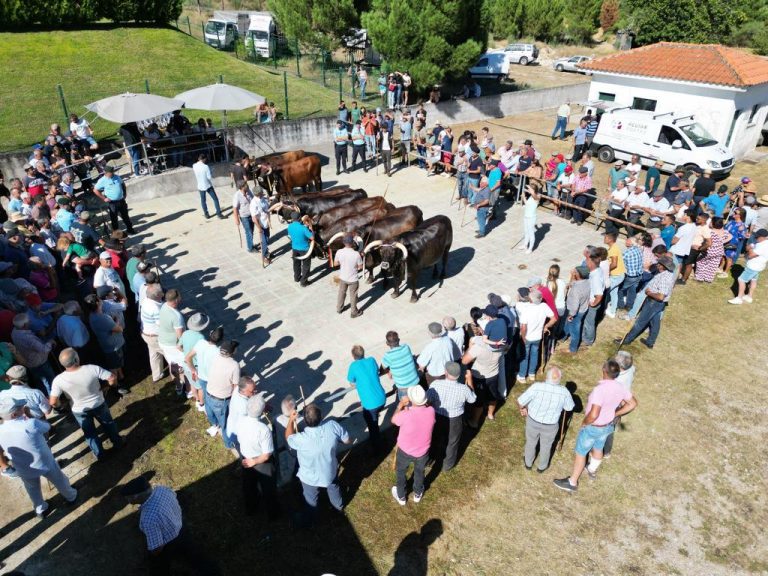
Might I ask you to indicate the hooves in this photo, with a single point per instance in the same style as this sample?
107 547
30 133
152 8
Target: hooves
395 294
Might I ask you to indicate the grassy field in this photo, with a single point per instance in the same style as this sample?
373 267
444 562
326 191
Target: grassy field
93 64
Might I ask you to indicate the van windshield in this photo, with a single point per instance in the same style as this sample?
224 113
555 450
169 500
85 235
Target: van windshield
698 135
213 27
259 35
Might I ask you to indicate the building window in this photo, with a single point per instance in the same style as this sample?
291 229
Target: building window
644 104
736 115
753 113
606 96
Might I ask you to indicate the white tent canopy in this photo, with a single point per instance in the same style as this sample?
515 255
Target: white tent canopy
130 107
220 97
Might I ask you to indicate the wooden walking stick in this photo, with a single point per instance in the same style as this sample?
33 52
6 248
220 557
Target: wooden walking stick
562 431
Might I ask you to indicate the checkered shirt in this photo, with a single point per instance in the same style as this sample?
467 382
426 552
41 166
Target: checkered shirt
160 518
449 396
633 261
545 401
662 283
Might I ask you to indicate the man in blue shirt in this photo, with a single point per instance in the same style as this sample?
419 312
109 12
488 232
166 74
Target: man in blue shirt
302 242
111 189
398 362
363 374
340 140
716 202
316 451
494 183
358 145
405 138
579 139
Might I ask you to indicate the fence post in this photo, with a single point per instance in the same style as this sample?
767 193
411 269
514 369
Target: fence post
221 79
189 27
60 90
202 27
146 85
341 88
322 65
285 86
298 58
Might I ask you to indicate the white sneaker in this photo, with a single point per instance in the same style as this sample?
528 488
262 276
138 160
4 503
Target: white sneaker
200 407
529 251
399 500
122 391
610 314
212 431
521 380
190 395
747 299
736 300
417 497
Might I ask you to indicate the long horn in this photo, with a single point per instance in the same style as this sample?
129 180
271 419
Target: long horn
359 241
309 252
334 238
276 207
402 249
372 245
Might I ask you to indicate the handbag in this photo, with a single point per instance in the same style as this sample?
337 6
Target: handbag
730 247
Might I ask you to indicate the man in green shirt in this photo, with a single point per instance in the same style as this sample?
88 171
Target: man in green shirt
653 177
170 329
192 335
138 254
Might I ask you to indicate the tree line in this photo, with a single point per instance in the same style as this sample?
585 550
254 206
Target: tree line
16 14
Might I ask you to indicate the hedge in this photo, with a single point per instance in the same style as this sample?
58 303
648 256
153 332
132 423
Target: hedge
58 13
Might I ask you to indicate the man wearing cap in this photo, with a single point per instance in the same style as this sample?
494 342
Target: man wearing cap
416 421
33 181
657 208
106 275
757 258
672 187
437 353
316 449
257 448
363 374
35 352
35 401
658 292
301 239
23 439
448 397
340 140
83 232
138 254
205 185
542 406
223 376
111 189
198 322
399 364
64 217
617 173
82 384
350 264
563 113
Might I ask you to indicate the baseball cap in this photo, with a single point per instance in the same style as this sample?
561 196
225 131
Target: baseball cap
16 373
416 395
102 291
105 256
9 405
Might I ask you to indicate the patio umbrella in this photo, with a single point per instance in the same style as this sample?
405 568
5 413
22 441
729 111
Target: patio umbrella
222 97
130 107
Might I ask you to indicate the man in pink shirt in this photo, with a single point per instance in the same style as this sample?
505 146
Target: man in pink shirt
416 423
607 401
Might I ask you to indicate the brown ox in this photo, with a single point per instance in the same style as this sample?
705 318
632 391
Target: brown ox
301 173
329 217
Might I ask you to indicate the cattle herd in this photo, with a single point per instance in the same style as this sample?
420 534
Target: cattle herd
397 240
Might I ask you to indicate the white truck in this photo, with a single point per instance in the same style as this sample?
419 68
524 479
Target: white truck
227 27
261 36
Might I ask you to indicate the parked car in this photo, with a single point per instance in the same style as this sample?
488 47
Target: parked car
569 63
522 54
490 65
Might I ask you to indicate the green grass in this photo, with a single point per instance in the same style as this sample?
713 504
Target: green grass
93 64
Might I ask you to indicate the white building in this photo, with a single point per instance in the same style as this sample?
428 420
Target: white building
725 88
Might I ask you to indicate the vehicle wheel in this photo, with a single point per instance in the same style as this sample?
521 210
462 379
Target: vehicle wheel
605 154
559 68
523 61
691 167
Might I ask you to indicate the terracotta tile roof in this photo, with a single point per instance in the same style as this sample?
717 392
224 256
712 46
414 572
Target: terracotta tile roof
703 63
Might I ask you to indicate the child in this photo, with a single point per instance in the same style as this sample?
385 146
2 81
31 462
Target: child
79 254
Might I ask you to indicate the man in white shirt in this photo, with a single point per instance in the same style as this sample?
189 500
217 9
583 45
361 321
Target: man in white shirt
616 206
150 328
683 239
205 185
246 388
257 447
563 113
757 258
536 318
657 207
636 204
105 275
350 263
437 353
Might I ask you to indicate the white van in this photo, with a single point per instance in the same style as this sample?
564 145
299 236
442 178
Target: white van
522 54
490 65
675 139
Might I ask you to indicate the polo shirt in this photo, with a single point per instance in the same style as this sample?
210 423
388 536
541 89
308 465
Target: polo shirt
400 362
716 203
340 136
615 251
596 283
608 395
667 233
103 326
654 173
205 354
494 177
496 329
316 452
436 354
254 437
580 135
300 236
169 320
111 187
131 267
416 424
223 376
364 374
65 218
616 175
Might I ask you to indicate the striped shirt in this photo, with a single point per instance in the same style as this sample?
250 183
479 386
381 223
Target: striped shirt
545 401
633 261
401 366
160 518
448 397
150 317
662 283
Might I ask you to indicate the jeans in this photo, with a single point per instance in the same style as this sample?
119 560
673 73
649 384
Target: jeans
445 440
580 200
300 267
362 89
247 225
85 421
639 299
119 207
592 438
311 494
212 193
650 318
371 418
543 435
614 293
529 361
562 122
628 291
461 182
259 483
404 460
590 325
422 152
56 477
217 409
482 218
529 230
43 375
264 237
573 330
370 145
340 150
135 153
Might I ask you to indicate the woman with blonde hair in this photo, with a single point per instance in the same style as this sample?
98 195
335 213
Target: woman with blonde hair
557 285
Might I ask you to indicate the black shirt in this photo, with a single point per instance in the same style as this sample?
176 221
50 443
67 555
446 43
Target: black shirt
703 186
239 173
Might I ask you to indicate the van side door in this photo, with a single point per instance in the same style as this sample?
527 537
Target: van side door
672 148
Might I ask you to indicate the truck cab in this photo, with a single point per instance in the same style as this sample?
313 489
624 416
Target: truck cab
260 39
221 34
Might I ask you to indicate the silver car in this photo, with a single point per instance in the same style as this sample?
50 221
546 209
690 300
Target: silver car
568 64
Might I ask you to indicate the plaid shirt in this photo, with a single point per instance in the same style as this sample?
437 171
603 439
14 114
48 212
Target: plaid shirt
633 261
449 396
160 518
545 402
662 283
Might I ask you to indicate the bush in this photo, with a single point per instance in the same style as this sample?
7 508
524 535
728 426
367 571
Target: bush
57 13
